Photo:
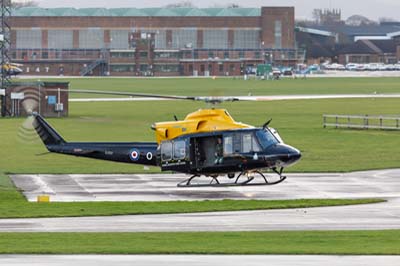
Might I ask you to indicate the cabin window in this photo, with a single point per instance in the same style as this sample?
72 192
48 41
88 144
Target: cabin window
179 150
228 145
246 142
256 147
249 143
166 151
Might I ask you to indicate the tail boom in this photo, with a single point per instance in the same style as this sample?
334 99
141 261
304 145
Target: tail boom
125 152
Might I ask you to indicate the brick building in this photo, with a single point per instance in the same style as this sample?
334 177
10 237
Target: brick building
152 41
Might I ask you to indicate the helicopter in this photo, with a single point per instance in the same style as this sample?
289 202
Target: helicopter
207 142
12 69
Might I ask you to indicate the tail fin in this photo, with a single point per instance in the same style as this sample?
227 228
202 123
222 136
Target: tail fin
48 134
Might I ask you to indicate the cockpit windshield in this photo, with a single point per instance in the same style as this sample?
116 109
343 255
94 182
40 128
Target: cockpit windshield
266 138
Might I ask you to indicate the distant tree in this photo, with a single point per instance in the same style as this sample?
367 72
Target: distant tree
181 4
386 19
19 4
316 15
233 5
358 20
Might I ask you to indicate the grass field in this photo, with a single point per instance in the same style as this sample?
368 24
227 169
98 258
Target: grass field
236 87
299 123
233 86
303 242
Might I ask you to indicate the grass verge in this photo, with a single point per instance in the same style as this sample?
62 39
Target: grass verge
384 242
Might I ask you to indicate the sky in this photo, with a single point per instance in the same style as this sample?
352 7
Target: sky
373 9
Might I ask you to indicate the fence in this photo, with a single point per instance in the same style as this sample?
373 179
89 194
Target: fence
362 122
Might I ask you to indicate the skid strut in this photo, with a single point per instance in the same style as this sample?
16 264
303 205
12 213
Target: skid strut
249 181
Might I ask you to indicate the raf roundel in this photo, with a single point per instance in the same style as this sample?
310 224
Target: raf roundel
134 154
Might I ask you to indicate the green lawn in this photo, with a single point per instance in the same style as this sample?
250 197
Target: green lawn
299 123
304 242
236 87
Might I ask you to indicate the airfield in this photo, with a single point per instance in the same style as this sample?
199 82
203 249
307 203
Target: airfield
335 165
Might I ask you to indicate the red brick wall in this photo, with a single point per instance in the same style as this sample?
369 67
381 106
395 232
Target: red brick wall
268 17
398 53
45 39
75 39
199 38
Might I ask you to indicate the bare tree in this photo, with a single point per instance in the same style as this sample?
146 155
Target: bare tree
233 5
386 19
181 4
316 15
19 4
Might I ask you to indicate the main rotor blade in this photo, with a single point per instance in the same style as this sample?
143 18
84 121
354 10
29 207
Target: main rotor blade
132 94
212 100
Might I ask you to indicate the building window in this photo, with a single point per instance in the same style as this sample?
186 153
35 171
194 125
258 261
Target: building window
221 68
122 68
202 68
167 55
215 38
257 54
241 54
278 34
166 68
210 68
226 55
45 55
190 68
122 54
144 68
210 54
196 54
143 55
246 39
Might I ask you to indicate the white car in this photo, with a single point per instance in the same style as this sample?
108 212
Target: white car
338 66
361 67
373 66
352 67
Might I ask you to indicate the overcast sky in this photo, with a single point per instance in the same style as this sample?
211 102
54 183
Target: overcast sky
373 9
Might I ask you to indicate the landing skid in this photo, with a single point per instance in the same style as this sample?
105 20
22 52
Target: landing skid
249 181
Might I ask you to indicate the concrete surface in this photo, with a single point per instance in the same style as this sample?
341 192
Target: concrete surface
183 260
380 184
162 187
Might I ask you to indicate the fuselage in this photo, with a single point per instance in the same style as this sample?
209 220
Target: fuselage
242 150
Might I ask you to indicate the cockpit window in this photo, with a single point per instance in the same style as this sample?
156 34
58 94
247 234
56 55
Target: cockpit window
266 138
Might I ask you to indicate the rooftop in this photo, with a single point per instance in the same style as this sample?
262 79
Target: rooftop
136 12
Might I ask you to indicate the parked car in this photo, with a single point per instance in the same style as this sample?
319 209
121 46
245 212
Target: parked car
352 67
288 71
